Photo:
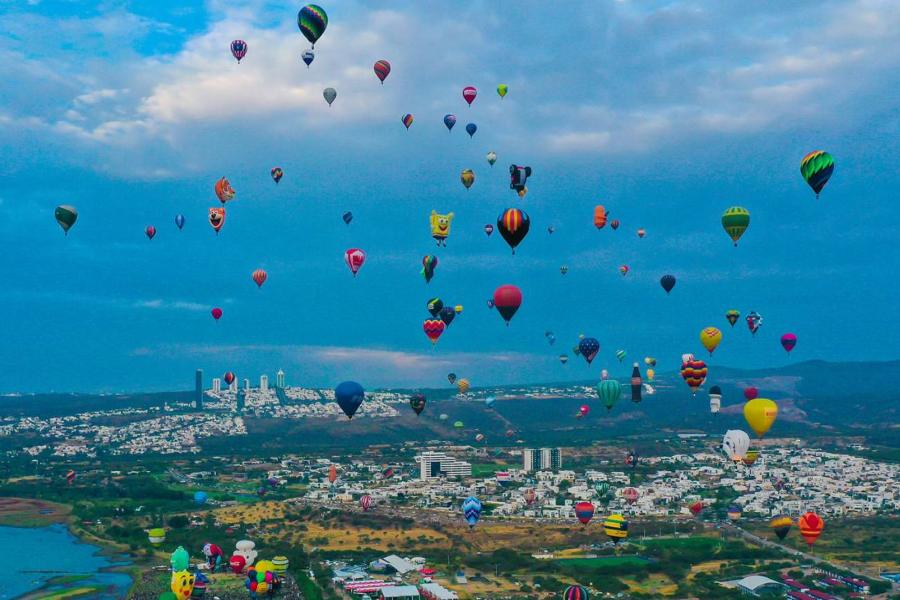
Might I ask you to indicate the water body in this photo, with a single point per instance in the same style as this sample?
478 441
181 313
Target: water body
35 555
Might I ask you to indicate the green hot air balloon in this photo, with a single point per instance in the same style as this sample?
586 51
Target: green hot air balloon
66 216
736 220
312 21
180 559
609 391
502 90
458 425
816 168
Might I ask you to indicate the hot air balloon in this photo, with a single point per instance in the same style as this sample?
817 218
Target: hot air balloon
471 508
180 559
469 94
312 21
200 498
631 459
649 361
616 527
156 536
816 168
467 177
588 348
329 94
735 221
449 121
433 328
609 391
583 410
529 496
636 383
599 216
732 316
355 259
451 377
750 393
621 354
488 229
458 425
513 224
239 49
693 372
332 474
750 457
308 56
277 173
630 495
491 157
502 89
715 399
563 358
417 402
641 232
624 270
576 592
237 562
667 282
217 218
584 512
365 502
788 341
463 385
754 321
434 306
781 525
228 377
407 120
224 191
760 414
66 216
735 444
614 224
179 221
734 512
602 489
507 300
150 232
447 315
382 70
650 374
490 401
347 217
70 476
710 337
429 263
479 437
471 128
564 269
349 395
216 313
259 276
551 338
696 508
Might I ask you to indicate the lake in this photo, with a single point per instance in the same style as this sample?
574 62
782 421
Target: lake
35 555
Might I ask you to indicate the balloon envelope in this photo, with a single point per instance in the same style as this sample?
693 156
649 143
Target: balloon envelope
760 414
349 395
507 300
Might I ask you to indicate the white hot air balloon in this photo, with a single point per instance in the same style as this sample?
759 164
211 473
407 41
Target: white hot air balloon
735 444
715 399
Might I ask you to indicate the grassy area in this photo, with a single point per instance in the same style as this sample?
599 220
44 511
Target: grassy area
603 561
28 512
487 469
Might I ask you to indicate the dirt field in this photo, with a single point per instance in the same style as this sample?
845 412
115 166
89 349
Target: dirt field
26 512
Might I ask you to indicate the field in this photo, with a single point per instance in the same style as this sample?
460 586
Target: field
604 561
28 512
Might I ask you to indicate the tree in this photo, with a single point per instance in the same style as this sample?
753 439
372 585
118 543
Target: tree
178 522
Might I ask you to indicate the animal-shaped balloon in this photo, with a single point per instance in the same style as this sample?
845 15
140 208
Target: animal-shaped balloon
440 227
182 584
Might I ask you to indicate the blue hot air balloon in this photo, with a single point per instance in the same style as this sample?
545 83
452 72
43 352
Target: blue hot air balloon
179 221
471 128
308 57
347 217
200 498
449 121
471 508
588 348
489 401
349 396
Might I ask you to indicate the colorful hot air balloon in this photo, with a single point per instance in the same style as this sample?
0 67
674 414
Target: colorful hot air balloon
732 316
693 372
734 512
609 391
239 49
667 282
502 90
750 393
365 502
429 264
224 191
447 315
407 120
349 395
650 374
433 328
624 270
312 21
434 306
750 457
471 508
641 232
583 410
70 476
491 157
329 94
788 341
65 215
449 122
463 385
518 177
179 221
216 313
507 300
479 437
754 321
576 592
332 474
530 496
564 269
355 259
760 414
715 399
156 536
810 525
584 512
614 224
599 216
217 218
696 508
417 402
277 173
616 527
382 70
228 378
816 168
308 56
649 361
781 525
259 276
513 224
488 229
621 354
588 348
469 94
735 221
471 128
467 177
735 444
630 495
150 232
563 358
710 337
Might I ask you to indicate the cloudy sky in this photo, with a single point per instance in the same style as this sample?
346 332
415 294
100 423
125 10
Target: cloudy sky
665 112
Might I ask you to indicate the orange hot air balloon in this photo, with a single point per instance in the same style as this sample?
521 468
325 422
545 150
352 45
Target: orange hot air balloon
224 191
259 276
332 474
811 526
600 216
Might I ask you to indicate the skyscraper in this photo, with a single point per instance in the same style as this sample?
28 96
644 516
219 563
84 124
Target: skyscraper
239 404
233 386
279 379
246 385
198 390
217 385
264 383
543 459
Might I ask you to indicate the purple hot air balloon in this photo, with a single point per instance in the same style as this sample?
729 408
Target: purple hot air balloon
239 49
788 341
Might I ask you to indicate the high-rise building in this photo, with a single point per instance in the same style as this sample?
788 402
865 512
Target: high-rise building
240 402
246 385
541 459
198 390
279 379
433 465
217 385
233 386
264 383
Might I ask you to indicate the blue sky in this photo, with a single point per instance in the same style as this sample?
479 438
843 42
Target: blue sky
665 112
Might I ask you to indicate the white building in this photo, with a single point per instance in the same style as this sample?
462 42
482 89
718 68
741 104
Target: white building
543 459
246 385
264 383
217 385
279 379
234 385
434 465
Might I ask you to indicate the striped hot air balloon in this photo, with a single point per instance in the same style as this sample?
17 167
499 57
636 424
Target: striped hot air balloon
735 221
810 525
631 495
616 527
259 277
312 21
471 508
513 224
365 502
600 216
382 70
576 592
66 216
407 120
734 512
694 372
584 512
781 525
816 168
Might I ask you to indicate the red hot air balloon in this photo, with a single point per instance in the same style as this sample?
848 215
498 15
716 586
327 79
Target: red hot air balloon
584 511
583 410
228 377
751 393
693 372
631 495
696 508
433 328
150 231
507 300
365 502
355 258
237 563
788 341
469 94
259 276
216 313
382 70
810 525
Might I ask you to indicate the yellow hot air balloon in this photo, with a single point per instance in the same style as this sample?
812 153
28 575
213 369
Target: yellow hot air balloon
650 374
467 177
463 386
760 414
710 338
